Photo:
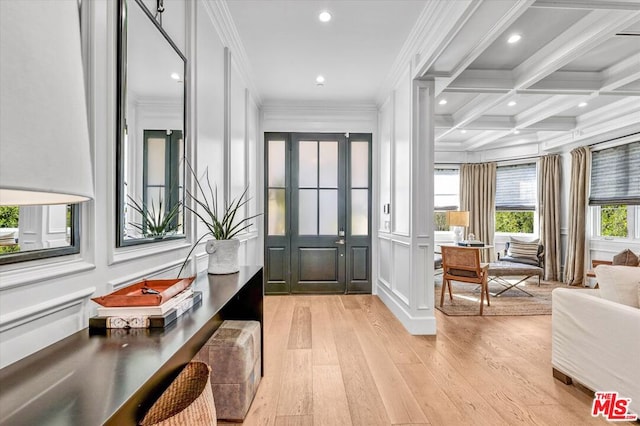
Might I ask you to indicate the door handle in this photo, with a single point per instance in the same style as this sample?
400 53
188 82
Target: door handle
340 241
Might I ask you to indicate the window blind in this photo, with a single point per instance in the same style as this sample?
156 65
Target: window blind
615 175
516 187
446 183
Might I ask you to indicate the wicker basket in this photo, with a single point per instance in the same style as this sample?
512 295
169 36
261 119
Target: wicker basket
188 401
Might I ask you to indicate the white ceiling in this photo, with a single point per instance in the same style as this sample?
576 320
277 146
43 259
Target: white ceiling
288 46
569 53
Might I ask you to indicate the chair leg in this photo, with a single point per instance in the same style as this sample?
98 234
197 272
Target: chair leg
486 289
481 297
444 288
450 293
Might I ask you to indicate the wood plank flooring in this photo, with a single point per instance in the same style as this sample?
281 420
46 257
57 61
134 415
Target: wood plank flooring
346 360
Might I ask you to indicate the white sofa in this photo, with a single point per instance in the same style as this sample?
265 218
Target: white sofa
596 342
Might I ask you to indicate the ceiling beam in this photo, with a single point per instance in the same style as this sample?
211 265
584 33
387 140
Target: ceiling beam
503 20
547 108
595 28
622 73
588 4
506 122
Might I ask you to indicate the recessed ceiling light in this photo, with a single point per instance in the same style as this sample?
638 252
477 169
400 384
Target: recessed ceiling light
516 132
324 16
175 76
442 102
512 103
514 38
320 80
582 104
463 131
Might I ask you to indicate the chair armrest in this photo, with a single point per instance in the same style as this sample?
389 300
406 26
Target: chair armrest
541 259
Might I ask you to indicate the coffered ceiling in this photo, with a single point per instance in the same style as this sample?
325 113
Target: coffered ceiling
574 76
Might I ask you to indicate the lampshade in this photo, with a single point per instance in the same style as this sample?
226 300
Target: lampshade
458 218
44 138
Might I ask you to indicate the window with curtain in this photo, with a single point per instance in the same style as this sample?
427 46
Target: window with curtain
615 191
516 198
446 189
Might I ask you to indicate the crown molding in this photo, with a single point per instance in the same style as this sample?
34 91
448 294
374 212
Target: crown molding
434 24
220 16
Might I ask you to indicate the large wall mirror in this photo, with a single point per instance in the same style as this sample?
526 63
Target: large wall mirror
151 129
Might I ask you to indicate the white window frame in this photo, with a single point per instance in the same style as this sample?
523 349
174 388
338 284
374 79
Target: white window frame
633 224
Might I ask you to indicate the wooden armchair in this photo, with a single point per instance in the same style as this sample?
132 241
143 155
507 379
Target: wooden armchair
463 264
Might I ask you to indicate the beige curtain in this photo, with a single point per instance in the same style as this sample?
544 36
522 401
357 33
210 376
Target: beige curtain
478 196
549 178
578 198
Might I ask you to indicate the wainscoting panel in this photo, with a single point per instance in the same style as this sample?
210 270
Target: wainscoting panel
402 268
385 266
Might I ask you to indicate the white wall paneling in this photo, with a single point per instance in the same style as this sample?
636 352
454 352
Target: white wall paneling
409 294
402 156
44 301
384 179
401 283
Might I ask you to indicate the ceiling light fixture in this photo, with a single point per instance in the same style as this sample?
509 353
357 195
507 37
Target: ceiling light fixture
175 76
324 16
514 38
320 80
516 131
582 104
512 103
463 131
442 102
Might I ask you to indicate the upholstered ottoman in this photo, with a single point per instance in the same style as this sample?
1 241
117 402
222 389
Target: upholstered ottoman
500 269
233 352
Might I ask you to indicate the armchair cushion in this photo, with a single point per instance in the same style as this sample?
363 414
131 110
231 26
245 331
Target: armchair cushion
619 284
527 252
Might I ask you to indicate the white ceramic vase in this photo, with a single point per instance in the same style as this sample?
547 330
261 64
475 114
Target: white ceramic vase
223 256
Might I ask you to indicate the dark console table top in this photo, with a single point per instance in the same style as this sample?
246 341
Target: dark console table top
113 377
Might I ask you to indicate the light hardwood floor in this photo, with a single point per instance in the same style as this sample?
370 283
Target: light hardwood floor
346 360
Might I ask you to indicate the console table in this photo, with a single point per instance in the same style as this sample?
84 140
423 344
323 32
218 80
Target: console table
113 377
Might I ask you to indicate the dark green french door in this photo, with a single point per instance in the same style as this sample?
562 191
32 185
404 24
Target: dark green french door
318 213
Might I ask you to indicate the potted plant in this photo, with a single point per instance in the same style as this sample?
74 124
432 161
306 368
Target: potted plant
155 223
222 224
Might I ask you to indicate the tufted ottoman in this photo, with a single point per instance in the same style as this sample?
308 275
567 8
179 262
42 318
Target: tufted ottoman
233 352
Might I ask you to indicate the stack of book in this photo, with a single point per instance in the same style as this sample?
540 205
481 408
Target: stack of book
139 314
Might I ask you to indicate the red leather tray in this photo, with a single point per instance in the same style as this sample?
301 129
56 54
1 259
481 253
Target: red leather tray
133 296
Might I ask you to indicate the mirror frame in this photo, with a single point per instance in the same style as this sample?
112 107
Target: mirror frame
121 98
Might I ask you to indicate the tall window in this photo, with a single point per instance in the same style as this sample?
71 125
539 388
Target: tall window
615 191
446 189
516 198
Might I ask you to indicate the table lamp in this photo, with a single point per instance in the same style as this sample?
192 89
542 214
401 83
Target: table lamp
459 220
45 155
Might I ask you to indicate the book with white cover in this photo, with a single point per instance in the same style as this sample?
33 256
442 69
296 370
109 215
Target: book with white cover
147 321
131 311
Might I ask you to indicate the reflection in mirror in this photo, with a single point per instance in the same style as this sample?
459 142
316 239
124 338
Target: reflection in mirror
35 232
151 129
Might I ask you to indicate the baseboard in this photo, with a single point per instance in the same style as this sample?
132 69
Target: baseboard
414 325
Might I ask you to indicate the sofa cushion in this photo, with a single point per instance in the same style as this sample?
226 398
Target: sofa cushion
522 250
626 258
619 284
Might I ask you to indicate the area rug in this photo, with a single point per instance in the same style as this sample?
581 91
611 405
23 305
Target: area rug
466 299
